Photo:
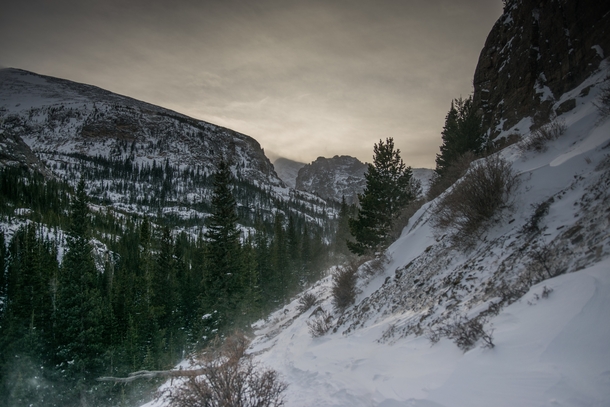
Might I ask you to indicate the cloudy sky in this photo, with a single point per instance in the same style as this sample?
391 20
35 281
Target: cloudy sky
306 78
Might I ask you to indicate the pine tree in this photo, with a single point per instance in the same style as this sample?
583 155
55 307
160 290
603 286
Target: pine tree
462 133
224 266
388 190
80 309
343 235
3 275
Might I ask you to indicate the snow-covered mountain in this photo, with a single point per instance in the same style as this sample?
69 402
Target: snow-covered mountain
343 176
287 170
56 117
137 157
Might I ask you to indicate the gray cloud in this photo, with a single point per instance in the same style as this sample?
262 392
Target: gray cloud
305 78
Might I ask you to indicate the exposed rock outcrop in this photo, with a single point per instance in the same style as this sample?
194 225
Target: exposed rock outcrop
333 178
535 52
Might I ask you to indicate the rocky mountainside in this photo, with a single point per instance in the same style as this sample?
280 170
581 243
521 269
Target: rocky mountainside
334 178
56 117
537 51
136 157
288 170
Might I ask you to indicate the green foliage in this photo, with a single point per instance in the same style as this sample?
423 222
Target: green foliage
343 234
138 302
462 133
225 267
80 308
389 189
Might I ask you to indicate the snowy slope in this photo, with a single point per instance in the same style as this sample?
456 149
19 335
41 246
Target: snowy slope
551 344
549 351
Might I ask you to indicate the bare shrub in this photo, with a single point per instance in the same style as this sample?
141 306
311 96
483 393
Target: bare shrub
539 138
376 265
485 189
455 171
466 333
306 301
603 104
546 292
344 286
545 262
512 292
321 323
230 379
540 211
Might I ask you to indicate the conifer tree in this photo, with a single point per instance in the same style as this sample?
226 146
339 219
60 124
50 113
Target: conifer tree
3 252
388 190
79 331
224 265
343 235
462 133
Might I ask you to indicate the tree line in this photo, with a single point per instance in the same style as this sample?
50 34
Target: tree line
119 293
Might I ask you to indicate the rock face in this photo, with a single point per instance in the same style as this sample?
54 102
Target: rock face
343 176
535 52
333 178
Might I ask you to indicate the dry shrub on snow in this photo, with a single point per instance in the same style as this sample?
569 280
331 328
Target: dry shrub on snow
345 278
321 323
465 333
306 301
539 138
230 379
376 265
475 199
603 104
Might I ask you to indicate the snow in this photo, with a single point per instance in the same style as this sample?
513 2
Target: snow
549 351
599 50
551 345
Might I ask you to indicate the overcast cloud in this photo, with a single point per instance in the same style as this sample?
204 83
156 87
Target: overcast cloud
304 78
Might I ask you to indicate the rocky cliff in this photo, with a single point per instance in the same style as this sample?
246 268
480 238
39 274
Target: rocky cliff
343 176
537 51
333 178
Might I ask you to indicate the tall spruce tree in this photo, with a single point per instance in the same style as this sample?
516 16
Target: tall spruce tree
343 235
224 265
462 133
80 309
388 190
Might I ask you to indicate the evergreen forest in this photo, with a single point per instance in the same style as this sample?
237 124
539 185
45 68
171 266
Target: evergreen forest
89 291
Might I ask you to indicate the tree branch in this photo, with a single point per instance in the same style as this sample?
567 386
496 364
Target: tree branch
149 374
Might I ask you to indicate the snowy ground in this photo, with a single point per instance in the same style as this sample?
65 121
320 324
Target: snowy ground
549 352
552 346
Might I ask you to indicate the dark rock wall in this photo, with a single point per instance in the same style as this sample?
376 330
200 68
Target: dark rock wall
535 52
